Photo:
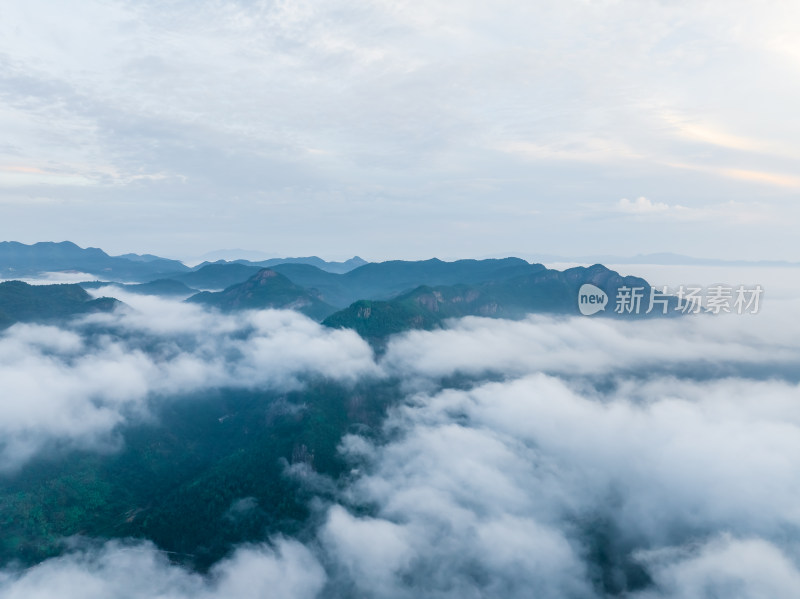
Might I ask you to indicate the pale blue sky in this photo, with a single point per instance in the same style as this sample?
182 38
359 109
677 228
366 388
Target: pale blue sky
403 129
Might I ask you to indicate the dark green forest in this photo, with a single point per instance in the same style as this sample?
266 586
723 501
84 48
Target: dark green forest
206 473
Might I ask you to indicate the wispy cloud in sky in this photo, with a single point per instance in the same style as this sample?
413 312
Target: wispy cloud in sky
277 126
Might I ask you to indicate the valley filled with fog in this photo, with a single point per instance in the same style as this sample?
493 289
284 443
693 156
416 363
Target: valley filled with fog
552 456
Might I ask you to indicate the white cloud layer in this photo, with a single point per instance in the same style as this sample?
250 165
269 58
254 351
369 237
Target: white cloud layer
141 570
585 346
588 458
513 478
75 387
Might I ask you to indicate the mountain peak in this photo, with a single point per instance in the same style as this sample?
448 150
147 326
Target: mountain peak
264 274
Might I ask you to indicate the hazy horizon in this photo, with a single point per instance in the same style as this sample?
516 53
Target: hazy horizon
549 259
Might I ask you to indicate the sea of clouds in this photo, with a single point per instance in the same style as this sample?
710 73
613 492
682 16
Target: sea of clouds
585 458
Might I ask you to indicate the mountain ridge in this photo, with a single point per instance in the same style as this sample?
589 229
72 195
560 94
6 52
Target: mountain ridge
265 289
21 260
375 299
21 302
543 291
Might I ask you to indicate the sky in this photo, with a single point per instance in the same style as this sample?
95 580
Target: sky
403 129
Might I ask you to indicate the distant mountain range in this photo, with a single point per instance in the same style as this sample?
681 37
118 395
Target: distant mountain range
661 258
375 299
334 267
398 296
18 260
216 276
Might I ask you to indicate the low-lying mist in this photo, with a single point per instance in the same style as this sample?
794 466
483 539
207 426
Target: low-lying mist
548 457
